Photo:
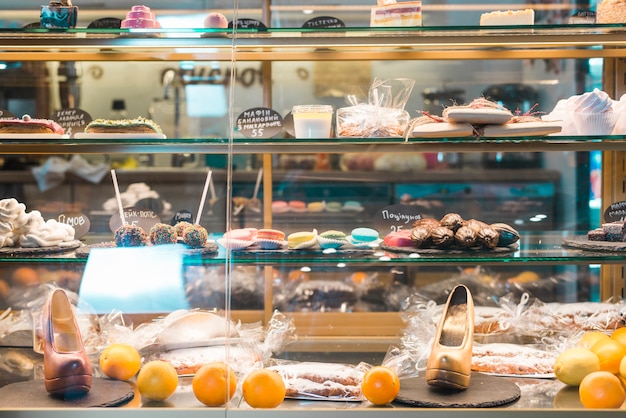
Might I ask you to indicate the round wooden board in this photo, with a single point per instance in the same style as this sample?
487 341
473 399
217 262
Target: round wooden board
33 394
583 243
484 391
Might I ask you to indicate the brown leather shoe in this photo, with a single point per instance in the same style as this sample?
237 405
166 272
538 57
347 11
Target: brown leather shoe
67 370
450 361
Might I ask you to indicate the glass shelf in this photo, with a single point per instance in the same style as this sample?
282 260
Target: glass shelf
294 44
303 146
535 248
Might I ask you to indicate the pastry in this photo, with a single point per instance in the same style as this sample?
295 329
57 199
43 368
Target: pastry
512 360
297 206
334 207
270 239
140 17
597 234
195 236
390 13
312 380
123 126
508 18
238 239
301 240
361 236
59 15
401 238
316 207
592 113
130 236
352 206
215 21
332 239
181 226
28 125
161 233
280 206
611 11
270 234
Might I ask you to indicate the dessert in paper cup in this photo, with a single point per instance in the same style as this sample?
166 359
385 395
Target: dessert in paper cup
592 113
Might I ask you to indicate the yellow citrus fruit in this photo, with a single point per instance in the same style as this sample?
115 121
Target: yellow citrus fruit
610 352
157 380
573 364
214 384
120 361
263 389
620 335
380 385
622 368
590 338
601 389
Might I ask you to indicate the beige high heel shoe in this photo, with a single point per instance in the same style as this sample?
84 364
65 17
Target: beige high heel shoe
67 370
450 361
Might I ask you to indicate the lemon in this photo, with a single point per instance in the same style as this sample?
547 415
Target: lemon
572 365
589 338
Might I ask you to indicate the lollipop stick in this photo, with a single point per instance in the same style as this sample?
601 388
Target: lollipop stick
204 192
259 176
118 197
212 191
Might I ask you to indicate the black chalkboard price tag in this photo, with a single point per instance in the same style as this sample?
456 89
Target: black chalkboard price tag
144 218
72 120
326 22
248 24
5 114
79 221
182 216
583 17
259 123
616 212
395 217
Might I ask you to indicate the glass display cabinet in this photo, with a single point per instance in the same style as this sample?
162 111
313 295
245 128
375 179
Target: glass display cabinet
209 90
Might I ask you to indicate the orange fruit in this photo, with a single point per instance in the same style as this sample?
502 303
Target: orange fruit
620 335
590 338
214 384
601 389
120 361
610 352
380 385
264 389
157 380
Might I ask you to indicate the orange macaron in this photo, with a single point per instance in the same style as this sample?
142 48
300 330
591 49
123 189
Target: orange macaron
271 234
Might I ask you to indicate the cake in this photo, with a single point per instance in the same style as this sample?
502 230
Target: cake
28 125
59 15
508 18
215 21
611 11
161 233
390 13
123 126
130 236
140 17
195 236
592 113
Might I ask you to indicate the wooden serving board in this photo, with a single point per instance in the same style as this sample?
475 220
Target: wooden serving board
484 391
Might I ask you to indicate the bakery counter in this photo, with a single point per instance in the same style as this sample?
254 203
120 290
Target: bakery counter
21 366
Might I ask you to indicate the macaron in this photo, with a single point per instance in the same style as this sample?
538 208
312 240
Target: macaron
280 206
301 240
332 239
334 207
238 239
352 206
271 234
366 237
316 206
270 239
297 206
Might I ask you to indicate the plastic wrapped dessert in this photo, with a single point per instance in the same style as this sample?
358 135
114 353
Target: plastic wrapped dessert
140 17
29 126
390 13
59 15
